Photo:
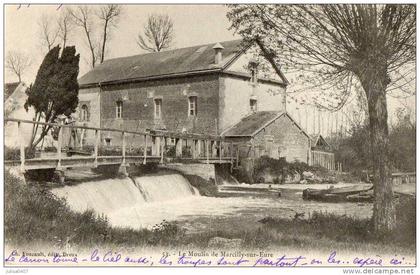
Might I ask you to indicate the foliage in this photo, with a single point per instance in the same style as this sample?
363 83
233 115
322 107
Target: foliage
279 166
158 33
349 229
14 153
171 152
354 151
403 144
34 214
166 233
55 90
50 149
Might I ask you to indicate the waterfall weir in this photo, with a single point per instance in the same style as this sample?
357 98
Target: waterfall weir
112 196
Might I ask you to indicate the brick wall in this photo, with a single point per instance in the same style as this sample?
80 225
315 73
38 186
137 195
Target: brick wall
138 105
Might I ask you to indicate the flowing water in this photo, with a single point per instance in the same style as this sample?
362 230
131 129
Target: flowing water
147 200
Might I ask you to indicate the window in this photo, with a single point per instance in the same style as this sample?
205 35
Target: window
158 107
119 109
253 75
253 68
253 105
84 113
192 106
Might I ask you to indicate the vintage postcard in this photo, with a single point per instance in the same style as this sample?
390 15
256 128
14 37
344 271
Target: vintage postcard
210 135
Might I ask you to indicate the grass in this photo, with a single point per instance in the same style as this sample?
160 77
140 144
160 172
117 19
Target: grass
321 232
34 215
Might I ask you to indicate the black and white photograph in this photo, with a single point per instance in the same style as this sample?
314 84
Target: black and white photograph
209 135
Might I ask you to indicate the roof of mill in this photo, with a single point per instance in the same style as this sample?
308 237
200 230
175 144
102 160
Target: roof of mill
177 61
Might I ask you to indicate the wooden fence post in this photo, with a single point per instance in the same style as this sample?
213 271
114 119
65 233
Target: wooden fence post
194 148
97 141
237 156
199 141
178 147
145 149
220 150
153 145
123 147
22 147
59 143
231 155
161 149
207 151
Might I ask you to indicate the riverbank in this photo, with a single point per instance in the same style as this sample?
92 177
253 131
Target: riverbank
33 216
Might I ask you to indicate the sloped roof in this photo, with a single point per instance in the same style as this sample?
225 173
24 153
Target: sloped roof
252 124
316 138
9 88
177 61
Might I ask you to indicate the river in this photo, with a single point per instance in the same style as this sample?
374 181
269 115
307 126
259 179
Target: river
142 202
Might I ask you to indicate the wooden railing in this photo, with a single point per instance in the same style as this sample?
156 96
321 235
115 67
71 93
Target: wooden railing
323 159
403 178
198 147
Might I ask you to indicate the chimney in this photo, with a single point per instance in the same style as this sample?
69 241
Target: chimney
218 48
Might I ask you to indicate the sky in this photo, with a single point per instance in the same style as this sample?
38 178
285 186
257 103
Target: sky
193 25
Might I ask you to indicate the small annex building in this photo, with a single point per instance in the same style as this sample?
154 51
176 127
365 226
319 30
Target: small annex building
272 134
321 153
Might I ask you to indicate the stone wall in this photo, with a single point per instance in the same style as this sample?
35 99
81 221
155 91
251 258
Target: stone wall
91 98
283 138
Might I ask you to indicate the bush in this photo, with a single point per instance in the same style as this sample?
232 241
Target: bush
166 233
186 152
50 149
171 152
276 167
14 153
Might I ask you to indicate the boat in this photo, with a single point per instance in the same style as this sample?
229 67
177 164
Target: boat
356 193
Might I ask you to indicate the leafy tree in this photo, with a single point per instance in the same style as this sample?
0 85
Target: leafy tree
403 143
354 151
55 90
337 48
